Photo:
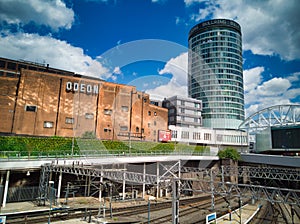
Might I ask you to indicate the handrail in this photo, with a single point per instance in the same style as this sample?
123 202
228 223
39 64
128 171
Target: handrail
12 155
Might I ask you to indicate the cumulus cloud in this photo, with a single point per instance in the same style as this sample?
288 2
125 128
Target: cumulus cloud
117 70
191 2
252 77
178 68
52 13
56 53
274 87
170 89
177 85
269 27
261 93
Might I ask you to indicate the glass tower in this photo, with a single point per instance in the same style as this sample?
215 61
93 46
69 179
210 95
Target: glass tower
216 73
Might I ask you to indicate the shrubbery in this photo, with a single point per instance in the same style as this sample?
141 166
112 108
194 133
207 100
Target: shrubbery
229 153
35 146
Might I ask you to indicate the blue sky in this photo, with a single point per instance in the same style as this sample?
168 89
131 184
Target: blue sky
144 42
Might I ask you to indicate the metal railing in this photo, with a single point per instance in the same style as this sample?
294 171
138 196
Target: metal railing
11 155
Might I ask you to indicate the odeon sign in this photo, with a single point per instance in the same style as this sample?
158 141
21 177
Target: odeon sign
82 88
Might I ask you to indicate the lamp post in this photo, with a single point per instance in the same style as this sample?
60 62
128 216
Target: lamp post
51 184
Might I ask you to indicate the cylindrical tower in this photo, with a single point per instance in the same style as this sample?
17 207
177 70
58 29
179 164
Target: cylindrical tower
216 73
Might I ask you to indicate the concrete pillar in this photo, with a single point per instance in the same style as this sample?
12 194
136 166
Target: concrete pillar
157 180
100 187
59 185
144 180
6 189
124 183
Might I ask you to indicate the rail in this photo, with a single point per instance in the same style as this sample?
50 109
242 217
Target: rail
12 155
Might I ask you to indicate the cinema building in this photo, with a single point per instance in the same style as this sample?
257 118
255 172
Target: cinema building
37 100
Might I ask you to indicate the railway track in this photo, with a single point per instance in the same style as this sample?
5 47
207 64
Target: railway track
71 213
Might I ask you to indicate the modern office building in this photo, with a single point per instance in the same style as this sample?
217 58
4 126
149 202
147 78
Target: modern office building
183 111
37 100
215 72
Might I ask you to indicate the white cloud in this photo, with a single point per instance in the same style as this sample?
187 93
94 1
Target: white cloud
252 78
56 53
260 94
191 2
178 67
52 13
170 89
117 71
178 83
269 27
274 87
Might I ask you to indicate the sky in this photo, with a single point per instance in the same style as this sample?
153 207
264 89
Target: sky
144 42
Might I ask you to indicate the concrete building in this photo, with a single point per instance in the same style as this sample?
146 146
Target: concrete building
37 100
185 125
215 72
216 139
183 111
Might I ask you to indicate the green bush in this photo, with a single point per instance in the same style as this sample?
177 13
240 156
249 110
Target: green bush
37 146
229 153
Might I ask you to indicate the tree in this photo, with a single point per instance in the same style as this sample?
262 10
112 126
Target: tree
229 153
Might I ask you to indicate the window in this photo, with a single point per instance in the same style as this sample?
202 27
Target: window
149 125
149 113
155 114
185 134
30 108
182 103
10 75
137 129
123 128
143 130
2 64
89 116
48 124
207 136
69 120
182 110
11 66
107 130
124 108
174 134
107 111
154 123
196 135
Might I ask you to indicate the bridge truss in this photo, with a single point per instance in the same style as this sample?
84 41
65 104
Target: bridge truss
231 181
279 115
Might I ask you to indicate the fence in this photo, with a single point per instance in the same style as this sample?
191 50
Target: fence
17 194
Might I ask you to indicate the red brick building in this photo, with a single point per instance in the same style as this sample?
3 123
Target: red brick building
38 100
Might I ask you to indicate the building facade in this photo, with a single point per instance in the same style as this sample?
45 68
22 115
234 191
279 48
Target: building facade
183 111
215 72
36 100
216 139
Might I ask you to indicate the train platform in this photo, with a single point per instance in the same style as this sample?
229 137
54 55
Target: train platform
21 207
243 215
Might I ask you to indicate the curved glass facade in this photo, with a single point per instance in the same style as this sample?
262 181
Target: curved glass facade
216 72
